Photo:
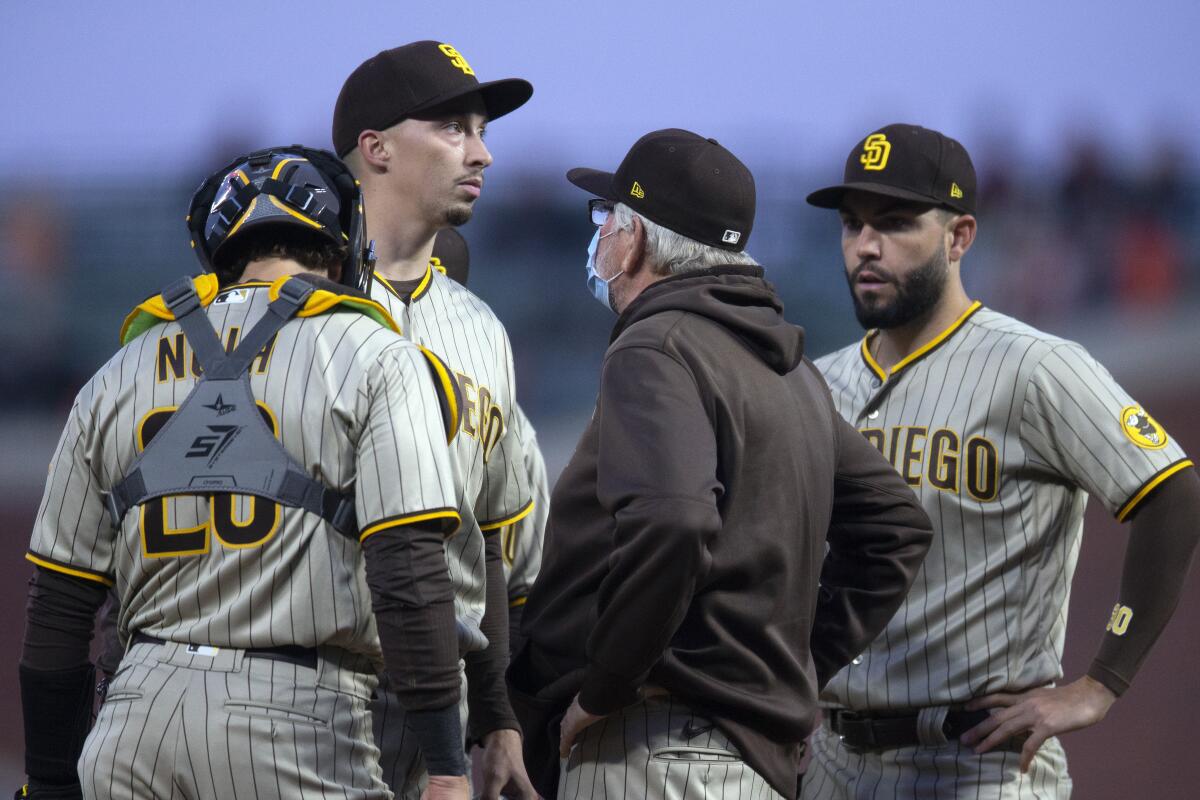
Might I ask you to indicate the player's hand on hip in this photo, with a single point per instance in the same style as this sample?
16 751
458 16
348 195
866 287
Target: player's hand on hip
447 787
575 720
1040 713
504 768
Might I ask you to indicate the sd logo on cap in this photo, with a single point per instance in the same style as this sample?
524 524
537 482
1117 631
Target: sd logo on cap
908 162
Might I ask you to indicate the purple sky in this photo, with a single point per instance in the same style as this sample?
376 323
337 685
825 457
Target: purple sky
103 87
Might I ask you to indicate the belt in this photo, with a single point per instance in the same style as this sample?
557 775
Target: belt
291 653
893 730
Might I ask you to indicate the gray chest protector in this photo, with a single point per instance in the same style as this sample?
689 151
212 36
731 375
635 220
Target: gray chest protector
217 441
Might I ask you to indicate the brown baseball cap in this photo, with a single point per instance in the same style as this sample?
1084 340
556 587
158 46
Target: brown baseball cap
406 80
908 162
684 182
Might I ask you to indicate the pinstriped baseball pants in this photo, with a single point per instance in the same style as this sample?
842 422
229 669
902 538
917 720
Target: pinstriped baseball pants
658 748
399 754
180 725
931 773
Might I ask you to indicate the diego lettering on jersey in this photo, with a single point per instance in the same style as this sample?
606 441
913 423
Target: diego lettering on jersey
173 353
943 458
482 419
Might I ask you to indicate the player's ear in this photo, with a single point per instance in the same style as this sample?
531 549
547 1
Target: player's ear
372 152
960 235
634 259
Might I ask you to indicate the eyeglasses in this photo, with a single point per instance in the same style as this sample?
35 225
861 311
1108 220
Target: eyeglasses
599 210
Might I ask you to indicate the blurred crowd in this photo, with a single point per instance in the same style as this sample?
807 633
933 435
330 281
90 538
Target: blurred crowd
1100 236
1092 235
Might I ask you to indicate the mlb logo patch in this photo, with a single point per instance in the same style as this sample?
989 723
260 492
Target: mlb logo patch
235 296
202 650
731 237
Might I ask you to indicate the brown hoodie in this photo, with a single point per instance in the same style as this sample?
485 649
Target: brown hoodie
687 535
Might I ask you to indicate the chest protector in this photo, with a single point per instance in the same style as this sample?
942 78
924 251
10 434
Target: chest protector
217 441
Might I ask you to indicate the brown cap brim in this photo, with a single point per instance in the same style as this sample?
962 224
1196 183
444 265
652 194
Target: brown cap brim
595 181
831 196
499 97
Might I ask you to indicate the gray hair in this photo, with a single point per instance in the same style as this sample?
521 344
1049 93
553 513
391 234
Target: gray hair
671 253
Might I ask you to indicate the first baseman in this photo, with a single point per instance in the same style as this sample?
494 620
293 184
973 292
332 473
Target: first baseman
1003 431
262 474
410 123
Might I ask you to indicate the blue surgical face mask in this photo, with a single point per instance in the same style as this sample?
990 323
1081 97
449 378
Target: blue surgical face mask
596 285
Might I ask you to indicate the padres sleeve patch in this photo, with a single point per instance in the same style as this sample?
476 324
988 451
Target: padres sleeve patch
1142 429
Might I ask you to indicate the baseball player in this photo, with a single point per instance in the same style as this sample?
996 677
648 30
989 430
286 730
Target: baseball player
521 542
261 466
409 123
1003 431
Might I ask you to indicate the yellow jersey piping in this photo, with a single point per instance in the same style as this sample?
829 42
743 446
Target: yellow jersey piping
423 285
520 515
1150 486
66 570
921 351
443 373
410 519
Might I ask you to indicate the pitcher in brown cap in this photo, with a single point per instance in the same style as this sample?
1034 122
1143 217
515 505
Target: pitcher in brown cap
410 123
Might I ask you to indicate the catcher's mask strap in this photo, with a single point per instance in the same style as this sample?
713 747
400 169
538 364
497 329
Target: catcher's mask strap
296 200
181 298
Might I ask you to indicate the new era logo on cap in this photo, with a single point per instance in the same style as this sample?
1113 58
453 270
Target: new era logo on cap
731 237
637 191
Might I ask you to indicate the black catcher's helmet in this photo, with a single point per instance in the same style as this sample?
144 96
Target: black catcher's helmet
294 185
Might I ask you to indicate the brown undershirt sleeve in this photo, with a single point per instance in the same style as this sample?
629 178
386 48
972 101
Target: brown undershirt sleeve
414 611
1157 560
487 693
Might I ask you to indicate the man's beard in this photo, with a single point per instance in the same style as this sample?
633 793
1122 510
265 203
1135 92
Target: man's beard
915 297
459 214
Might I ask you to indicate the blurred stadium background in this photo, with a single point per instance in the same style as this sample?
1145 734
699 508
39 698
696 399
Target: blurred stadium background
1082 126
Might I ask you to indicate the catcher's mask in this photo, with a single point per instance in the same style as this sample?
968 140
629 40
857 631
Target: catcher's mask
295 186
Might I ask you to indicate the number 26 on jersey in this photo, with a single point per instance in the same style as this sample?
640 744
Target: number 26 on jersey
257 522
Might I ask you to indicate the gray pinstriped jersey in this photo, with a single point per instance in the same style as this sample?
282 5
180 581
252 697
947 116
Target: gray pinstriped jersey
1003 432
487 455
351 400
523 540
